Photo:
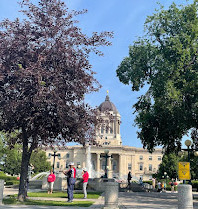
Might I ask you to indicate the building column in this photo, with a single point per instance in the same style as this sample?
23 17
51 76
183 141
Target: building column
97 164
120 165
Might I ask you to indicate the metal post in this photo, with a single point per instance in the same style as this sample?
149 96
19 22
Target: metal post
106 175
188 154
54 160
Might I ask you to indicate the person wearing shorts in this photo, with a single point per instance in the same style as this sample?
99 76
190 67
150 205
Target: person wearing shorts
51 179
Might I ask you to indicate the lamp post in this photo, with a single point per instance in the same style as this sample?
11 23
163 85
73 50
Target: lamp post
180 153
106 151
188 143
165 175
54 155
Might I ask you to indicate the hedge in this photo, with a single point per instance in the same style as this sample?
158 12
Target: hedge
9 180
148 182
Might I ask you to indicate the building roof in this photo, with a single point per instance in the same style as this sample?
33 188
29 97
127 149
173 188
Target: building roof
107 105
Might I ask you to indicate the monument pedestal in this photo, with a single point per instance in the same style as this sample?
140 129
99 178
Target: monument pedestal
185 197
1 191
111 195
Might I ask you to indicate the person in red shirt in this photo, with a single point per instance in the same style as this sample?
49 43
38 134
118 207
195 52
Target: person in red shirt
85 176
51 179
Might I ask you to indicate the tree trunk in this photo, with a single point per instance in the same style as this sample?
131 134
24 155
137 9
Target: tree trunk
24 171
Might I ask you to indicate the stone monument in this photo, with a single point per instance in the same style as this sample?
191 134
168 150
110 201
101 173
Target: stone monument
111 195
185 197
1 190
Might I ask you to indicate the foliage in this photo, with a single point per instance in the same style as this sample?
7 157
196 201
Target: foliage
12 183
12 162
39 161
148 182
195 184
165 62
7 178
45 73
169 165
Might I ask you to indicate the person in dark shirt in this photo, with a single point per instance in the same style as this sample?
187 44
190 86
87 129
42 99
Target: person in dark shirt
71 179
129 179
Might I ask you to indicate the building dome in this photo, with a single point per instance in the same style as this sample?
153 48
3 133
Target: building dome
107 105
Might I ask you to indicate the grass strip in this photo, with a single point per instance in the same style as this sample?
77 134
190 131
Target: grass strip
14 201
64 195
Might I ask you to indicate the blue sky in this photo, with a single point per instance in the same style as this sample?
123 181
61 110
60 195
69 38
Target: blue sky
126 19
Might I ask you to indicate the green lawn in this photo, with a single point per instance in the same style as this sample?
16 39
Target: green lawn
92 195
14 201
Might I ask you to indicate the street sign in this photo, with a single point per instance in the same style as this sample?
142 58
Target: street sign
184 171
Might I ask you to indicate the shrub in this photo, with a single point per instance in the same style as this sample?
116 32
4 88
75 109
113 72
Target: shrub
148 182
195 184
12 183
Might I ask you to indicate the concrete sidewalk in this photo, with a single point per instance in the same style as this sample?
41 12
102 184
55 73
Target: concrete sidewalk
127 200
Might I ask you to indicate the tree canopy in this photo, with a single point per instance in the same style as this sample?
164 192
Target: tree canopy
44 75
165 62
39 161
169 165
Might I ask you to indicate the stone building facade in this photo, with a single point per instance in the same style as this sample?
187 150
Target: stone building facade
122 159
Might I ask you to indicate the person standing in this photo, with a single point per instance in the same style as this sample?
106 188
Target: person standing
129 179
85 176
51 179
172 186
153 183
159 186
71 179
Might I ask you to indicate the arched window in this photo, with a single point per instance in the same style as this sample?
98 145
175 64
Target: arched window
102 129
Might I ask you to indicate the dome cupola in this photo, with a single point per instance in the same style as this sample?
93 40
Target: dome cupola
107 105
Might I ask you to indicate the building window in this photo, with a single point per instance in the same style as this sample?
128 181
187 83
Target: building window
103 165
67 155
141 167
141 157
129 166
150 167
49 155
159 158
111 130
107 130
94 165
67 164
114 165
150 157
58 164
102 129
59 155
106 143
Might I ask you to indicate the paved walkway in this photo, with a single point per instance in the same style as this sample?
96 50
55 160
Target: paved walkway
130 200
145 200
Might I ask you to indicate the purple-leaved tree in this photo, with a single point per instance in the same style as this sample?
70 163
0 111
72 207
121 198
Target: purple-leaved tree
44 75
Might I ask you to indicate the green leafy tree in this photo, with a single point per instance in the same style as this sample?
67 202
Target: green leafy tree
165 61
169 165
39 161
12 163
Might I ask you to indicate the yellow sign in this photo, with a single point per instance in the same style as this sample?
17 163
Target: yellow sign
184 171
